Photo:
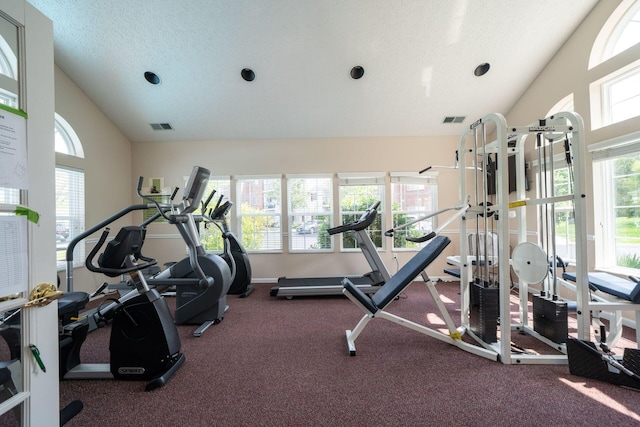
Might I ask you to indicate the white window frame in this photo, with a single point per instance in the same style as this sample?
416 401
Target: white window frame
66 139
563 238
564 105
377 180
68 144
607 87
210 235
599 90
321 208
268 217
604 191
74 217
428 193
607 43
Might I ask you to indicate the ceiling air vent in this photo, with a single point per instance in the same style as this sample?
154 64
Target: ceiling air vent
161 126
454 119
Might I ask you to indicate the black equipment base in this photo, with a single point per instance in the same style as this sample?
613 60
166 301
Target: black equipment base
586 361
550 318
144 342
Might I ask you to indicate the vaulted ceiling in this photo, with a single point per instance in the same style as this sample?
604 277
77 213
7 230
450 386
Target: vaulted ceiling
418 58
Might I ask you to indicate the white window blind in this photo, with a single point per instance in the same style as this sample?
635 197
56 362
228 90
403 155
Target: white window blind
69 213
310 209
413 195
259 212
616 147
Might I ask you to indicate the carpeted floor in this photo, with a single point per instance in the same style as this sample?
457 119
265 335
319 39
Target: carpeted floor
279 362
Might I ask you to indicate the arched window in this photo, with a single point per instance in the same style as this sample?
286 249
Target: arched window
565 104
625 34
8 60
616 96
69 193
67 142
620 32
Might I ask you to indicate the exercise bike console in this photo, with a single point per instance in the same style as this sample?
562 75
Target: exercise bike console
114 259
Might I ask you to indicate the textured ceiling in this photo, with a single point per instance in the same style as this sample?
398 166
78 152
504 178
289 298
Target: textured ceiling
418 56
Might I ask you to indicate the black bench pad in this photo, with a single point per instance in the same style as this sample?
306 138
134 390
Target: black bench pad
402 278
455 272
610 284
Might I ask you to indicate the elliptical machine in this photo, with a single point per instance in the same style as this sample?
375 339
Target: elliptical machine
197 301
144 343
233 252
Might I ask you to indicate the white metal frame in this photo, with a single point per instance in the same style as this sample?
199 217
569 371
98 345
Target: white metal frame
474 150
454 337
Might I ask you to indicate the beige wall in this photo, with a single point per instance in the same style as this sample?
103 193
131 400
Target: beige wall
174 160
106 163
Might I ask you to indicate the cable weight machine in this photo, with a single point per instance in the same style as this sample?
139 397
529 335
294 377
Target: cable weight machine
486 283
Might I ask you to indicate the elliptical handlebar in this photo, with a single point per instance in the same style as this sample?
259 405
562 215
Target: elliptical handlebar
161 209
220 212
111 271
361 223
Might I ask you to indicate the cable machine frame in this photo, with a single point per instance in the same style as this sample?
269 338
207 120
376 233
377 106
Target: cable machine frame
473 152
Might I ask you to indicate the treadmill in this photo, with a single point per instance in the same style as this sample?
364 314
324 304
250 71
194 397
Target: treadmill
289 287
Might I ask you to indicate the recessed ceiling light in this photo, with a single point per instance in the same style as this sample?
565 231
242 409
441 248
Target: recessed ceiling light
152 77
481 69
357 72
248 74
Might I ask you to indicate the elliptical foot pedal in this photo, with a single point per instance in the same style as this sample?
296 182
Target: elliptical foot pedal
162 379
198 332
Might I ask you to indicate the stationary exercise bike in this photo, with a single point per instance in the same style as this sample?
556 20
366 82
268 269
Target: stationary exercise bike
233 252
144 343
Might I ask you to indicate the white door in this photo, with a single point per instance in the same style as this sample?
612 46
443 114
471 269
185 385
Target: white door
29 394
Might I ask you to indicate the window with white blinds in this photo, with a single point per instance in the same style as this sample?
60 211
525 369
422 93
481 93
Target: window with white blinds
412 197
310 210
616 171
357 193
69 213
220 188
259 212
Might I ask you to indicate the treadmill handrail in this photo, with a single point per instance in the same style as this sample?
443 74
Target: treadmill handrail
361 223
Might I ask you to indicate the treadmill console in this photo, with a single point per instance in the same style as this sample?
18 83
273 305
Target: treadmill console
361 223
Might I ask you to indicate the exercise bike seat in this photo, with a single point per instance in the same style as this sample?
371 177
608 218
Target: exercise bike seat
70 304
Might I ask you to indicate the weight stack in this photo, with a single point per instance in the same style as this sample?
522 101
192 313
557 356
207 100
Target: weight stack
484 312
550 318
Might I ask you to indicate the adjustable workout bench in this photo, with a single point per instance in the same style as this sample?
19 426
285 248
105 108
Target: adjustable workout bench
374 306
613 294
610 284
